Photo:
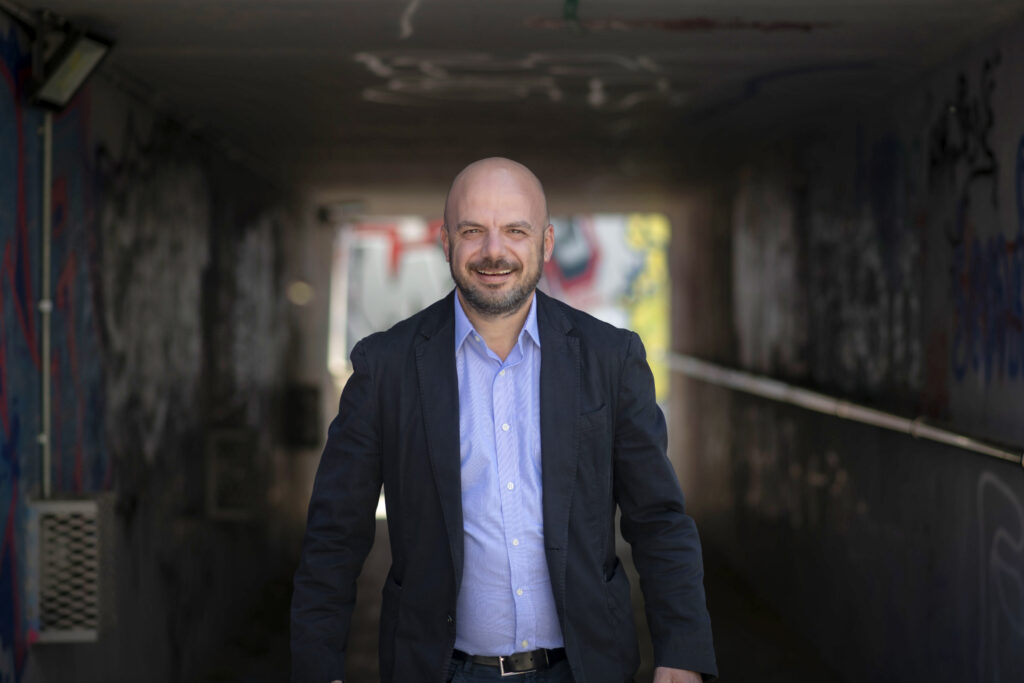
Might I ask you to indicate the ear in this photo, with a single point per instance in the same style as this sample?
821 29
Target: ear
444 243
549 242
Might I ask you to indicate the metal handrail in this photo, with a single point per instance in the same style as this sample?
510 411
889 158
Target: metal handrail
766 387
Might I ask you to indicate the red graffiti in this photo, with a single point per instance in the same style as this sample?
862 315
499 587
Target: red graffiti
577 254
20 278
5 417
399 243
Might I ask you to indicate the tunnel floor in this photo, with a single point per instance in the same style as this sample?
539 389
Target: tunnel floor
752 643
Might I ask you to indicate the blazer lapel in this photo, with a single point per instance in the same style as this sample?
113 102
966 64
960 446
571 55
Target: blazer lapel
439 398
559 406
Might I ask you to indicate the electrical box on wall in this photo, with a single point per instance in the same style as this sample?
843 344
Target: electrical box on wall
64 570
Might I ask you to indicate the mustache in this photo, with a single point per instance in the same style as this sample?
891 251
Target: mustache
493 264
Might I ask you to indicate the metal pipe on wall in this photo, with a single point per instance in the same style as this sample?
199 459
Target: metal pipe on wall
46 309
766 387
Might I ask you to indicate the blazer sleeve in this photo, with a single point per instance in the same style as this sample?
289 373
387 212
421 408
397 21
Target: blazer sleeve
339 532
664 540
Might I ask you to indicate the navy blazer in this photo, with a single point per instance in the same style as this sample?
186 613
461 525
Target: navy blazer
603 444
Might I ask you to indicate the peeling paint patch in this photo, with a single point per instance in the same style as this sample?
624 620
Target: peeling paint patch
604 81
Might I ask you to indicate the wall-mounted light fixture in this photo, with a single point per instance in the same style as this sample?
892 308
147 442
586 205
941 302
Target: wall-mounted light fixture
63 55
71 64
64 73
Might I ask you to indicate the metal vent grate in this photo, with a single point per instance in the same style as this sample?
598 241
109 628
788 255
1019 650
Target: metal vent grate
68 570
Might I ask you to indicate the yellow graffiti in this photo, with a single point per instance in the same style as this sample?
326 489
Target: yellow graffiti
647 300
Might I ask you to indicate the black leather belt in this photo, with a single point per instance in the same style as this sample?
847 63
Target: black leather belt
519 663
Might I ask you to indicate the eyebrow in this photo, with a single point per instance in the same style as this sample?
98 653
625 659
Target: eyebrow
513 224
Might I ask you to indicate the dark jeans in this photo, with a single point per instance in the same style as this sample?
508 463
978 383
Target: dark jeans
468 672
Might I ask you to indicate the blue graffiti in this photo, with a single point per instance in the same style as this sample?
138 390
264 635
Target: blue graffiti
988 296
11 635
81 462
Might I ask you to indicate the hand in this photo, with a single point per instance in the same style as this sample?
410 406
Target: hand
663 674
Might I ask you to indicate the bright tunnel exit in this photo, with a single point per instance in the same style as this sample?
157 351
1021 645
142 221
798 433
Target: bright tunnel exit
611 265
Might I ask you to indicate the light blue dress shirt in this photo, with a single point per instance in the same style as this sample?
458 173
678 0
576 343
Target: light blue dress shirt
505 603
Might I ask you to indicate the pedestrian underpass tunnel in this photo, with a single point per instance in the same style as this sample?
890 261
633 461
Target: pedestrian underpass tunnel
813 214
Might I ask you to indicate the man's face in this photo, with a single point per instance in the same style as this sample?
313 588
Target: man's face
496 240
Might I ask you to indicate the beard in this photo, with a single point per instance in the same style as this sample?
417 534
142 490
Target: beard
491 303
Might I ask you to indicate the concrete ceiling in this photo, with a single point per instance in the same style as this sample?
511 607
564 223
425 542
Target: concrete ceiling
328 91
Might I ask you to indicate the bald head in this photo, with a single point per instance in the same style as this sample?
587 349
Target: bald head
496 174
496 238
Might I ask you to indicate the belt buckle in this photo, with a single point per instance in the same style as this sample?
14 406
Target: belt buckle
506 674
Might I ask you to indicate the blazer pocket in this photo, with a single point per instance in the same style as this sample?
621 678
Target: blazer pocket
616 585
620 615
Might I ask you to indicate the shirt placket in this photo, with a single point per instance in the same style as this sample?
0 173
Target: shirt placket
509 441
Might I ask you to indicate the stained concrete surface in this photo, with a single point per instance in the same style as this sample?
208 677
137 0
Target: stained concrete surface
752 643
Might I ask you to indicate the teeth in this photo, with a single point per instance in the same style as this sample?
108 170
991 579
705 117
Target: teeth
495 272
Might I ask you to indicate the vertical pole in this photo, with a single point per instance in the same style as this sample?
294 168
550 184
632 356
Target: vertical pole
46 308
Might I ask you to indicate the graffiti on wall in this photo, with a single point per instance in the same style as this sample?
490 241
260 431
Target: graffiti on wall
19 351
865 273
768 298
988 294
960 151
987 263
614 266
80 460
256 306
647 294
865 247
134 294
152 228
826 273
390 268
1001 573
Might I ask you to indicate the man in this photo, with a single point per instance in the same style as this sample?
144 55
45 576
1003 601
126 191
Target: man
505 427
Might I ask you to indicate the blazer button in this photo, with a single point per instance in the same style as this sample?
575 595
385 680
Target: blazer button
451 620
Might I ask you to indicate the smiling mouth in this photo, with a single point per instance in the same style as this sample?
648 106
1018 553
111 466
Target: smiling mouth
493 272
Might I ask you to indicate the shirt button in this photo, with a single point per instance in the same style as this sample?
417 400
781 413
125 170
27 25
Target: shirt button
476 337
515 541
505 427
526 643
510 486
501 374
519 591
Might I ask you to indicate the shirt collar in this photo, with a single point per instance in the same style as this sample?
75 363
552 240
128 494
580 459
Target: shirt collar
463 327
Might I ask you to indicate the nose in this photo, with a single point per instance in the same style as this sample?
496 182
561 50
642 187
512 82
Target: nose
493 246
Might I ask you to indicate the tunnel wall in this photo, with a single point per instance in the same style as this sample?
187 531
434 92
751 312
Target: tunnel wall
169 326
877 256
